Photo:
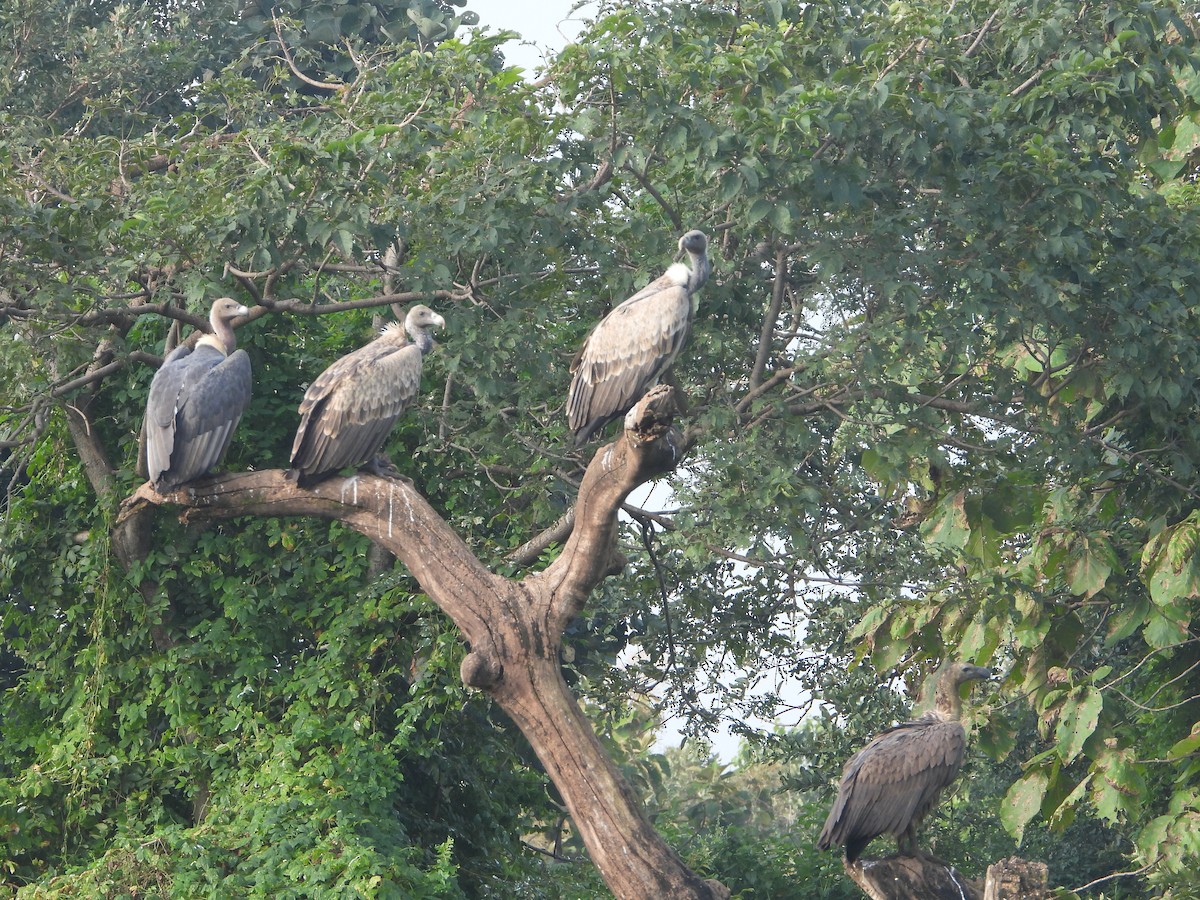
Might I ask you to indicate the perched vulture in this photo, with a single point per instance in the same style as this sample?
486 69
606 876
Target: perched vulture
348 411
889 785
634 344
196 399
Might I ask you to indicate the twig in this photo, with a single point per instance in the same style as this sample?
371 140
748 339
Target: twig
648 543
1146 868
978 42
653 192
312 82
1032 79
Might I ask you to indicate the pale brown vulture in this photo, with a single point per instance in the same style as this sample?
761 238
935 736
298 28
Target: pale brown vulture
196 399
349 410
889 785
631 347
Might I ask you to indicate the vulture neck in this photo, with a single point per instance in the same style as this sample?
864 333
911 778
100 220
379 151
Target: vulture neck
423 340
222 337
701 269
947 704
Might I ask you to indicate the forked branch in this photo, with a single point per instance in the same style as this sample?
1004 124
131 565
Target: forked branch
513 628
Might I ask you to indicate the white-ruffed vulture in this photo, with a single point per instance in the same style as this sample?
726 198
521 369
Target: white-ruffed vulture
196 399
349 410
631 347
890 784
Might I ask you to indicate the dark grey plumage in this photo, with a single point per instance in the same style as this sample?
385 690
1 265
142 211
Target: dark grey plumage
196 400
890 784
631 347
349 410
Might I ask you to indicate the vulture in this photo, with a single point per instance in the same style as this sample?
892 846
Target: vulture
631 347
196 399
890 784
348 411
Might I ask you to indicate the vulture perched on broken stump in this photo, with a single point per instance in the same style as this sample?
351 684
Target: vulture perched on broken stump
349 410
196 399
631 347
890 785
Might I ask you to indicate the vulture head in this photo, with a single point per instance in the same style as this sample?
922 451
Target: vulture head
419 322
947 696
224 311
694 244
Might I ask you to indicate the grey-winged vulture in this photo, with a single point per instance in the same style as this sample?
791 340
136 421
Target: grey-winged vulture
349 410
890 784
631 347
196 399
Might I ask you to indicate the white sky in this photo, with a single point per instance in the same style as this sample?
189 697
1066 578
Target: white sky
545 26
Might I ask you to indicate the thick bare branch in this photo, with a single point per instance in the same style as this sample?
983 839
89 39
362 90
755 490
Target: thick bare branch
766 338
649 448
514 629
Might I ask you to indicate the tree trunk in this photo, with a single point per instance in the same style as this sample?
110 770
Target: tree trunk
927 878
513 628
1017 879
911 878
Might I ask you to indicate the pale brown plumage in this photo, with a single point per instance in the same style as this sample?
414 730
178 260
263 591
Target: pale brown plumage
196 400
889 785
631 347
348 411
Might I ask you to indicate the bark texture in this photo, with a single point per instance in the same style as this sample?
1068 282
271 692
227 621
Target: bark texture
928 878
911 878
513 628
1017 879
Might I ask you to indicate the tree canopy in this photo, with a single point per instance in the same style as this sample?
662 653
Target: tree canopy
940 403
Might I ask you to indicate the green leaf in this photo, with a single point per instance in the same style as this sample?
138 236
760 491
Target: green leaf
948 526
759 210
1188 745
1023 801
1161 631
1078 719
1126 619
1090 565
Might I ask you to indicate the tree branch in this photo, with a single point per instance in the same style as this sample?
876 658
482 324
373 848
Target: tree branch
766 339
514 628
649 447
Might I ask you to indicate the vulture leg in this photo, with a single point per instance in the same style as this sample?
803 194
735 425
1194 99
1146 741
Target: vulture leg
380 465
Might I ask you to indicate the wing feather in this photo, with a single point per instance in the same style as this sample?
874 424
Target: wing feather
890 784
626 352
349 410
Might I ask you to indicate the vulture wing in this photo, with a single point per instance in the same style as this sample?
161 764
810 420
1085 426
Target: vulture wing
196 400
627 351
161 406
348 411
890 784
